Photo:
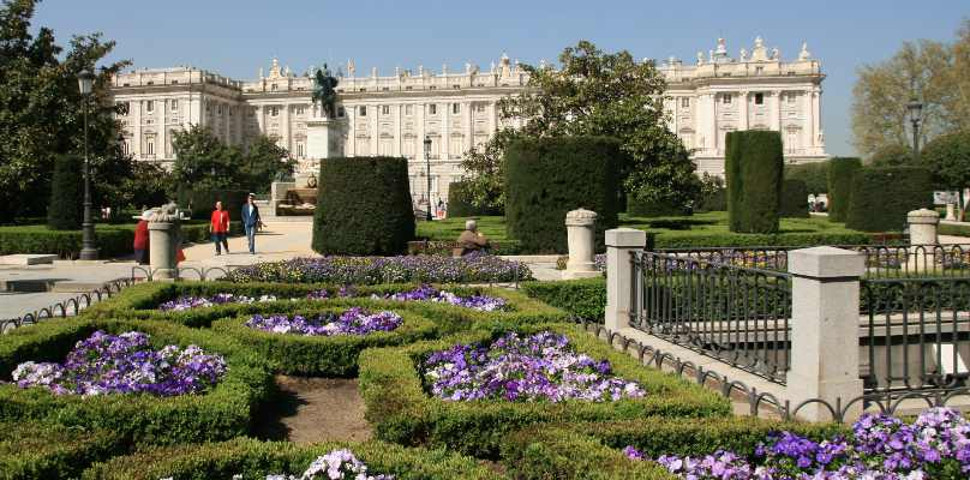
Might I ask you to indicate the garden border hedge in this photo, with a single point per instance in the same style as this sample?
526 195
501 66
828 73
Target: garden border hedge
401 411
34 450
254 459
585 298
322 356
222 413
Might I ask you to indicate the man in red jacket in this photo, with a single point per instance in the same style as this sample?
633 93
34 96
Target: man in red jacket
220 228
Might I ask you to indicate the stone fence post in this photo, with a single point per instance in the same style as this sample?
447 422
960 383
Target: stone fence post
923 239
620 243
825 330
164 233
581 239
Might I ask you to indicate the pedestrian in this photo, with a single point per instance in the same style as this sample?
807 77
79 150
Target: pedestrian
220 228
251 221
141 238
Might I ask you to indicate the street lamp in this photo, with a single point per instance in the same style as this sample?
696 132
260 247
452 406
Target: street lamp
85 82
915 109
427 165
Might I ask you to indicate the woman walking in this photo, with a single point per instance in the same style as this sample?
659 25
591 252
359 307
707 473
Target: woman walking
220 228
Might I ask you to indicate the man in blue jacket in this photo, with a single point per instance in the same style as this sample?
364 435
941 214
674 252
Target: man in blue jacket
251 221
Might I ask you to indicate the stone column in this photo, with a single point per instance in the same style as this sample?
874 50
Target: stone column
923 239
825 331
951 212
163 231
580 233
620 244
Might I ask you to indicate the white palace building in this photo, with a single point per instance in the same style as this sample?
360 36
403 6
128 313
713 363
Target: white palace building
392 115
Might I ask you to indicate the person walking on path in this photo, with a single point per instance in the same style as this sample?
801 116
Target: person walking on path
251 221
141 238
220 228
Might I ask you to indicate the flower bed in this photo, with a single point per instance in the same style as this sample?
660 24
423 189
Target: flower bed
217 412
33 450
936 445
329 343
105 364
252 459
374 270
402 410
190 302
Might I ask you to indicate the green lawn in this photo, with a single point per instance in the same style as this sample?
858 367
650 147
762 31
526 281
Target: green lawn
449 228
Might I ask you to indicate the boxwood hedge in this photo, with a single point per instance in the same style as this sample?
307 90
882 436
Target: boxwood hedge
882 196
794 199
584 298
754 165
253 459
221 413
322 356
403 412
841 171
30 450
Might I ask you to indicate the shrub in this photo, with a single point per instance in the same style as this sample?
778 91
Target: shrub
321 356
460 202
815 176
881 197
794 199
112 240
841 171
712 196
547 178
364 207
67 194
222 413
789 239
31 450
754 163
582 298
203 202
892 155
253 459
402 411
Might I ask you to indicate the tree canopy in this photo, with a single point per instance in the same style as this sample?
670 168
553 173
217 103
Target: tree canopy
600 94
204 162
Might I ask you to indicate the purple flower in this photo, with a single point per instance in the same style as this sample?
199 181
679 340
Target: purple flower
189 302
354 321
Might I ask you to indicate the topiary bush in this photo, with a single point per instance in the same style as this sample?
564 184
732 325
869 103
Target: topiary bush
794 199
584 298
840 173
546 178
363 207
460 202
67 195
881 197
754 164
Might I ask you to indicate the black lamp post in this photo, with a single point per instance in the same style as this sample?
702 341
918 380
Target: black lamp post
89 251
915 109
427 165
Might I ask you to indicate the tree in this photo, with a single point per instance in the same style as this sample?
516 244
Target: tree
263 162
203 162
40 110
147 186
948 156
64 211
597 94
937 74
891 155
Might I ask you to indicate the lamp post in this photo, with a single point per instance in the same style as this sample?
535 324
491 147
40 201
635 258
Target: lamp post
915 109
427 165
89 251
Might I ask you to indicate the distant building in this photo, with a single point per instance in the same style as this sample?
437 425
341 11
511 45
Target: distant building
456 110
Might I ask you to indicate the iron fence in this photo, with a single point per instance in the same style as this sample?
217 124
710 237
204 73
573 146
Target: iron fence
739 315
69 307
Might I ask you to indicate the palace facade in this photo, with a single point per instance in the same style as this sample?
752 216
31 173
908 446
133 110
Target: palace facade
392 115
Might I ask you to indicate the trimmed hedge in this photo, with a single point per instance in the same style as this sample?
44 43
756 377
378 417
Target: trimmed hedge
547 178
794 199
140 301
32 450
881 197
223 412
364 207
754 164
403 412
460 203
788 239
840 174
584 298
65 210
815 175
322 356
254 459
640 208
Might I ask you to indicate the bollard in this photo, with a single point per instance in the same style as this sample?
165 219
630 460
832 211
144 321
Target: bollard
580 235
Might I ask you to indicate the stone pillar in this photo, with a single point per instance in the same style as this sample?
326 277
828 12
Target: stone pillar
620 243
825 331
163 231
923 239
951 212
580 233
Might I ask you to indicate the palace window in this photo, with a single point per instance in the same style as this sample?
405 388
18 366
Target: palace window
126 147
341 112
726 99
791 97
455 108
480 108
273 87
274 111
219 109
362 110
759 70
684 102
385 88
174 105
300 149
385 109
759 99
433 109
409 109
123 108
150 146
300 110
150 106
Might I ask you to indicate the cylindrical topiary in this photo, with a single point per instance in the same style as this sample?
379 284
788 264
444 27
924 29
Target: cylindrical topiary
840 173
363 207
881 197
547 178
67 194
460 204
794 199
754 165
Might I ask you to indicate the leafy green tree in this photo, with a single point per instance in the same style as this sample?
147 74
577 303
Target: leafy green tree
41 113
815 176
147 186
264 162
203 162
600 94
891 155
948 156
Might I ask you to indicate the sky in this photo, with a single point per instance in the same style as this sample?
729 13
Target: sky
237 37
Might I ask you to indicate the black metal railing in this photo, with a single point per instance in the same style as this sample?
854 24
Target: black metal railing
915 333
739 315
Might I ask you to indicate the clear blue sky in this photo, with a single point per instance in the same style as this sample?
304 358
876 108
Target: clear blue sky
237 37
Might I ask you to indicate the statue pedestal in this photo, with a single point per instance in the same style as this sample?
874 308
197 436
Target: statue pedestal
324 137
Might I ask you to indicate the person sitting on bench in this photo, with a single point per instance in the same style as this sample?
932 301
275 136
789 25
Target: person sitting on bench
471 240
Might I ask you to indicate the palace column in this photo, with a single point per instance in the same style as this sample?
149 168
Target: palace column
469 131
492 117
817 119
285 129
743 125
351 147
398 128
774 111
443 148
375 133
